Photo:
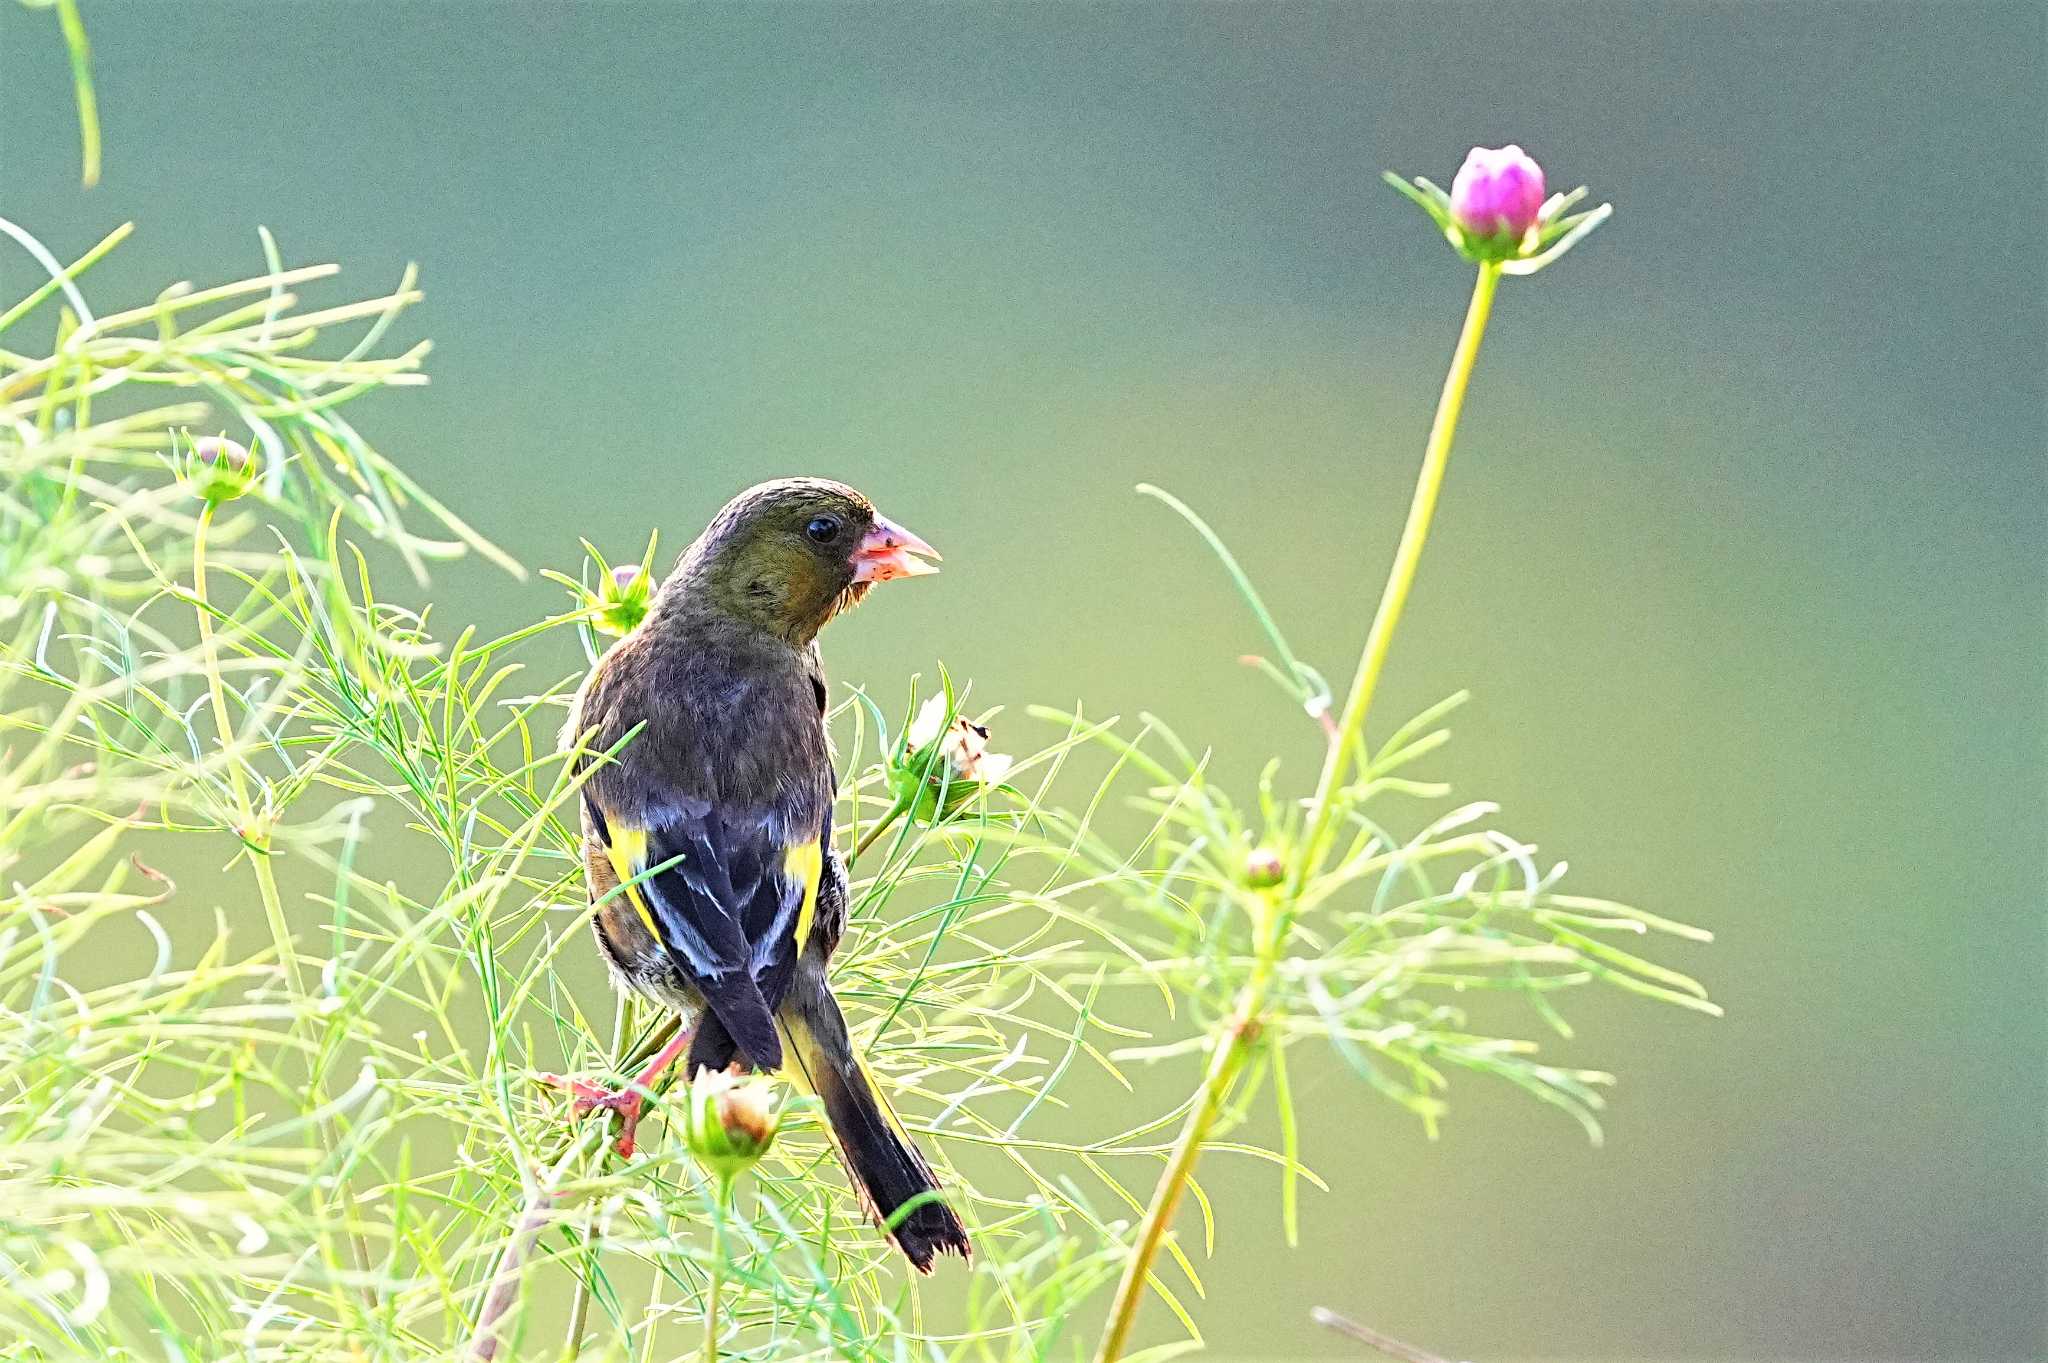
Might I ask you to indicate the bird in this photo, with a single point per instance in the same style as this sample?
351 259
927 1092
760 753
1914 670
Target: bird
707 794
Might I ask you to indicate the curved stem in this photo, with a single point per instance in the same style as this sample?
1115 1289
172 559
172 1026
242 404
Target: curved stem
536 1214
579 1305
1379 640
653 1320
593 1230
255 838
210 661
1371 1338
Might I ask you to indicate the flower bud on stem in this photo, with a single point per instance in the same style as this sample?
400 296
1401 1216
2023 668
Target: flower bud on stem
729 1124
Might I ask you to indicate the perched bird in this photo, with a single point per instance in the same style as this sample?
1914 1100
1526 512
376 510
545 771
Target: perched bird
709 799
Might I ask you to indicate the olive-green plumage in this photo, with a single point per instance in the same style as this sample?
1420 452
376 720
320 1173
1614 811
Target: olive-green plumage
714 812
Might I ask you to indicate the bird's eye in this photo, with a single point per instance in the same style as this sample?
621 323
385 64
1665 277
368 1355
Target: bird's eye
823 529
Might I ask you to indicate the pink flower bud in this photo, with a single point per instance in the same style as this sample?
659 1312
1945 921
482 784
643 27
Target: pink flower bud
1498 192
1264 869
623 576
211 449
216 469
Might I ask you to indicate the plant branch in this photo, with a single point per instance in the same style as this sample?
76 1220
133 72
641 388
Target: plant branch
1233 1046
1371 1338
1233 1043
593 1231
880 826
535 1216
718 1213
255 837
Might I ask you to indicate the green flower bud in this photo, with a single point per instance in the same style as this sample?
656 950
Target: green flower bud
216 469
1264 869
622 600
729 1122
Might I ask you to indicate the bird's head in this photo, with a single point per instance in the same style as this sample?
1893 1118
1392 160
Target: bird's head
790 554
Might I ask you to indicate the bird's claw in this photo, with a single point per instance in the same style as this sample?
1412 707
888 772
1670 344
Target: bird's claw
588 1096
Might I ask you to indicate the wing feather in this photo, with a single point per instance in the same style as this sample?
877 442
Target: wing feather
726 898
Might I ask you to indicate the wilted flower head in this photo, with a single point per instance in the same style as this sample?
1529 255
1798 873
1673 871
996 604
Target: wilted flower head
729 1122
1497 192
1496 211
935 755
216 469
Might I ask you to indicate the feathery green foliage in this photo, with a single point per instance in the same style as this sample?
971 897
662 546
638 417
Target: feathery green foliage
291 876
318 1140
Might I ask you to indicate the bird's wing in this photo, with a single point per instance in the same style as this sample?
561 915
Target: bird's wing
730 901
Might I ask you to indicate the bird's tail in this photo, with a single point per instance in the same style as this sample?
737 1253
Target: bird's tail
884 1165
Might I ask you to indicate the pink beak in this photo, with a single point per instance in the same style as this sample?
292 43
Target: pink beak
889 551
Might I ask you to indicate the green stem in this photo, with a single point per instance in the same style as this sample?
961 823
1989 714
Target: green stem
81 81
1235 1041
879 827
1379 640
255 838
717 1270
209 660
579 1305
653 1320
536 1214
1234 1044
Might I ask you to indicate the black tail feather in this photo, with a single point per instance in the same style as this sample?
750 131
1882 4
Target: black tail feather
745 1022
893 1178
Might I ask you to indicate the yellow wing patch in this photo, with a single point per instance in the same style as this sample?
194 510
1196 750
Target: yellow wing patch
628 851
805 863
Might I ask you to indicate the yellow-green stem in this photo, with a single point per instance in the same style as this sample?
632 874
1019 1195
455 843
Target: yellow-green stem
1233 1047
880 826
1379 640
209 660
1239 1034
653 1320
593 1230
717 1270
81 83
536 1214
255 837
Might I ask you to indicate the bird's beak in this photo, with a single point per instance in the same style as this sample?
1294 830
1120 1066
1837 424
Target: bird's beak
889 551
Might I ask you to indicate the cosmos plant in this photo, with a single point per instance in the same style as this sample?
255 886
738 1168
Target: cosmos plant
291 917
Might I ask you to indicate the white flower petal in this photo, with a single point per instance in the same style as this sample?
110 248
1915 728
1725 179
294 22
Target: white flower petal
930 716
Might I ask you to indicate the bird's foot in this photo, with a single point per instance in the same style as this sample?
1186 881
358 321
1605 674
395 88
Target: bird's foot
630 1101
588 1096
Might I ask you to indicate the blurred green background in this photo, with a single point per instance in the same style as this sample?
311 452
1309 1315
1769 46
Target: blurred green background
1742 552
